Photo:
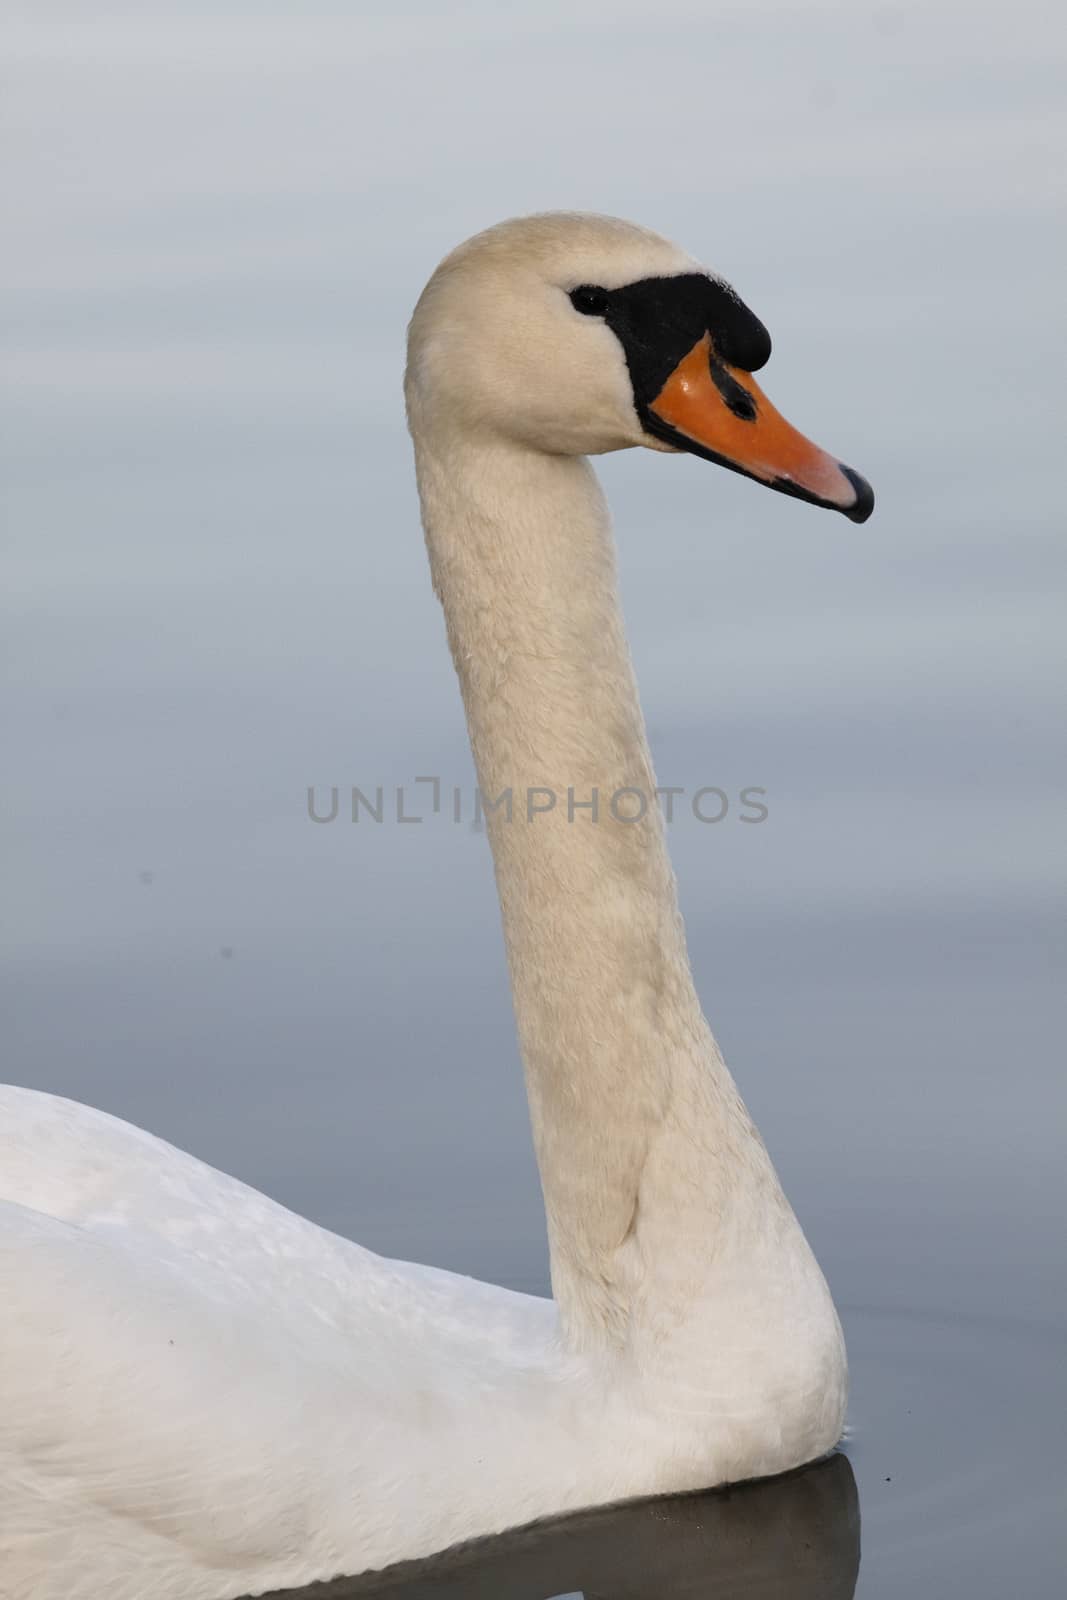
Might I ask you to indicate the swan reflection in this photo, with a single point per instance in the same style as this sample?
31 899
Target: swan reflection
796 1537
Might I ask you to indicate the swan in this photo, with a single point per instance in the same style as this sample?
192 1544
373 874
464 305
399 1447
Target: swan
793 1537
203 1395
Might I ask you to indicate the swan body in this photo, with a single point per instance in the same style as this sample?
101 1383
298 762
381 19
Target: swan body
203 1395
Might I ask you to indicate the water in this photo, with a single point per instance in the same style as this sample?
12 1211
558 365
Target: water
220 217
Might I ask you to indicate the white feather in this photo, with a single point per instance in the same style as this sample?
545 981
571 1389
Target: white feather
203 1395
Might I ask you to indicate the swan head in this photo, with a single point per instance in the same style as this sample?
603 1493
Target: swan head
577 334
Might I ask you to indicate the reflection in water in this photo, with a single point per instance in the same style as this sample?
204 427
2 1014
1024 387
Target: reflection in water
791 1538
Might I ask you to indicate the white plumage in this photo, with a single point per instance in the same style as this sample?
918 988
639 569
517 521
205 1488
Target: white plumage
203 1395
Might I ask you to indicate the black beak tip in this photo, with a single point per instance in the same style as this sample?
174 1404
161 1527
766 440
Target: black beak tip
863 505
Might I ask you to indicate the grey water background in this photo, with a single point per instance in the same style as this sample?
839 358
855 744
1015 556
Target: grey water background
218 219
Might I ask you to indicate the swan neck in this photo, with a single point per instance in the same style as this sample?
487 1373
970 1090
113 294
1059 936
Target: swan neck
616 1051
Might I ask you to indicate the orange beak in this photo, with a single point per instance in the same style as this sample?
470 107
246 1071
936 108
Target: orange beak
720 412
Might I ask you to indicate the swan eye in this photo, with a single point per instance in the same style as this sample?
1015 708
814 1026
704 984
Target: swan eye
589 300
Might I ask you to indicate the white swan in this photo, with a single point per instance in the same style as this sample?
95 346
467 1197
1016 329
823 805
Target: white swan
203 1395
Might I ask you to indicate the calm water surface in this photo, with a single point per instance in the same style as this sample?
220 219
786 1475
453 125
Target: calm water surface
220 216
